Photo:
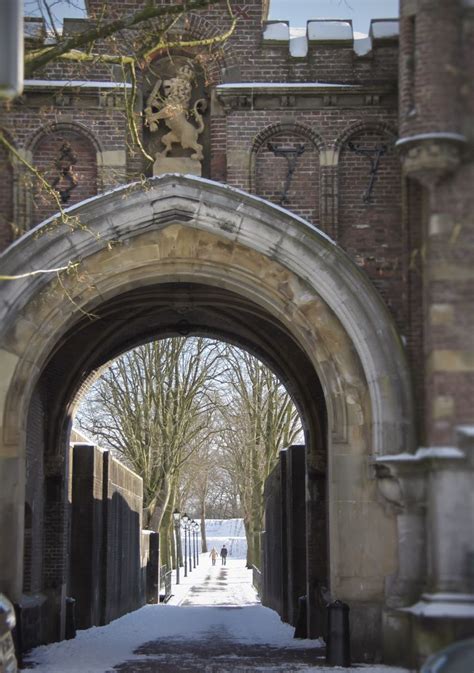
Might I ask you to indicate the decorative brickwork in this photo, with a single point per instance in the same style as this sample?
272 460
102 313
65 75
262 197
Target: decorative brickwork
46 154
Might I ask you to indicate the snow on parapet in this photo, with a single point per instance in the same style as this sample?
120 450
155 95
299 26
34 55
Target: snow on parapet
338 32
276 31
330 31
381 29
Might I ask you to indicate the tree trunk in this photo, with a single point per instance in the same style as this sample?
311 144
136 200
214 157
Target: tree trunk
165 546
203 528
250 540
161 502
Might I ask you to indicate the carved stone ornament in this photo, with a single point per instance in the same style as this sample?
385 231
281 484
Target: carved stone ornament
66 180
430 157
170 102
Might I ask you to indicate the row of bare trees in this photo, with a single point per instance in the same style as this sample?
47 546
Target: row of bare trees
202 422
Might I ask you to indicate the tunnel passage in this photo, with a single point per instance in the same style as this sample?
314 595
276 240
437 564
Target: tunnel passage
169 309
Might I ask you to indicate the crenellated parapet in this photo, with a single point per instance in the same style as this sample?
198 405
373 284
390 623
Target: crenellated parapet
300 42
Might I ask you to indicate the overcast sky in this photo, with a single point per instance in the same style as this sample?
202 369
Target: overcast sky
297 12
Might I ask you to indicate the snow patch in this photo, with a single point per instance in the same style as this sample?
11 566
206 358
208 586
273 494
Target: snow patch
228 532
85 84
384 28
423 453
99 649
436 135
278 31
323 31
362 44
466 430
284 85
299 46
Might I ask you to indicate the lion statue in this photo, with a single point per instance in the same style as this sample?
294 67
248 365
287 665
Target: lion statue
173 109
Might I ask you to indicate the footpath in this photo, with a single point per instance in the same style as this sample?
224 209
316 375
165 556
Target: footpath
214 623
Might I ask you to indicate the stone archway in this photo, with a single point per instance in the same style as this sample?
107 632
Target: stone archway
294 280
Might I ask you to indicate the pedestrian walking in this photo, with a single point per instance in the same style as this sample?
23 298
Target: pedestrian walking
224 555
213 555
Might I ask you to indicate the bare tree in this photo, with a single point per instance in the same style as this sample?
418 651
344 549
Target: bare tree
145 31
151 406
123 42
258 418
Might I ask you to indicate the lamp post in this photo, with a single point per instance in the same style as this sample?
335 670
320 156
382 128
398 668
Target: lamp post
185 523
190 550
176 519
197 527
193 528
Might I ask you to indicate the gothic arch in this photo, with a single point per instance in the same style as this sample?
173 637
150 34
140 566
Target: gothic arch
44 149
275 279
360 126
307 199
215 60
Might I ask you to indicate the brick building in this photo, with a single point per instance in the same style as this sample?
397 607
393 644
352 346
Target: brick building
372 147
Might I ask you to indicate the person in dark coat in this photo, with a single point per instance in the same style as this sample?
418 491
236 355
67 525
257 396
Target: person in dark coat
224 555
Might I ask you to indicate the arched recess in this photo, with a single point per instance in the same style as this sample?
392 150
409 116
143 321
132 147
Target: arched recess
45 151
370 221
276 282
284 168
217 59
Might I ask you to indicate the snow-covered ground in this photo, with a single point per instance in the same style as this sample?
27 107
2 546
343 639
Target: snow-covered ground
214 622
230 532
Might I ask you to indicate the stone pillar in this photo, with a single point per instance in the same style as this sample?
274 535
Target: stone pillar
401 481
450 520
432 148
431 600
12 489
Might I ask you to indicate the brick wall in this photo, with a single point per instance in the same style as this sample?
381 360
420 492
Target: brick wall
371 232
383 238
46 155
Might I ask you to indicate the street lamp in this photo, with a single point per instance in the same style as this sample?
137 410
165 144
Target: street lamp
193 528
176 518
185 523
198 528
191 550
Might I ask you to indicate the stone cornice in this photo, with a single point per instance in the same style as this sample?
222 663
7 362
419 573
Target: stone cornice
303 95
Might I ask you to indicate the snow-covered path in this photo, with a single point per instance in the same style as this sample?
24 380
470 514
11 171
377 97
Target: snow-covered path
213 624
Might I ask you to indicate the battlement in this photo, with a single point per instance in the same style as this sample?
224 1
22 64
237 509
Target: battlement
336 32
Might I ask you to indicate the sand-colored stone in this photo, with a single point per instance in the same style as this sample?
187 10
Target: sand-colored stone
451 361
182 165
182 230
443 406
115 158
441 314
